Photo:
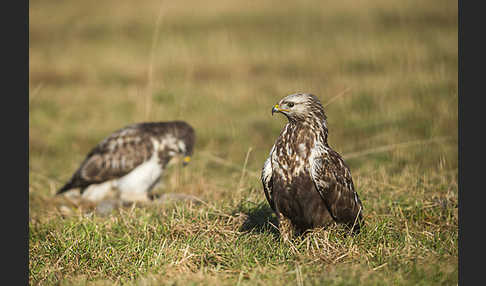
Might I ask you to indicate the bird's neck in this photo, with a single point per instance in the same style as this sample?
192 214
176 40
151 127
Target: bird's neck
315 127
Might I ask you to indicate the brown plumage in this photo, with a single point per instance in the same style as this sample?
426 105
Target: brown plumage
133 158
307 183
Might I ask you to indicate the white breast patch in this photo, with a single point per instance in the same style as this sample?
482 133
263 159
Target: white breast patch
142 178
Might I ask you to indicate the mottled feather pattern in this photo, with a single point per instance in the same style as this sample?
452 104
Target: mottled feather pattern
291 153
116 156
307 181
335 185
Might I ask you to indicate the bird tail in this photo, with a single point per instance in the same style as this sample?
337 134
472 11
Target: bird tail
66 187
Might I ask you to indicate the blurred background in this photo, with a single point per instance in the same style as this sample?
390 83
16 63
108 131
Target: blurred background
385 70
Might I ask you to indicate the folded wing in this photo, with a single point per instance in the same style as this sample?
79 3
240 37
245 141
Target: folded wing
112 158
334 183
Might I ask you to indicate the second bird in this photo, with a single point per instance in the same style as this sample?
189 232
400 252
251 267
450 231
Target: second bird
132 160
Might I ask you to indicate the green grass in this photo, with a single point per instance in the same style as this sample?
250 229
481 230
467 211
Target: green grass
95 67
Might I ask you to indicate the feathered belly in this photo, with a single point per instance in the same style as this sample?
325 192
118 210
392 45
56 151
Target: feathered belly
298 199
142 178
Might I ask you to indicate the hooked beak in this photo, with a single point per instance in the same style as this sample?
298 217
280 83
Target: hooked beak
186 161
277 108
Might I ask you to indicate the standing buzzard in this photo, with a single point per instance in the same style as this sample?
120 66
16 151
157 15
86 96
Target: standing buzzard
305 182
131 160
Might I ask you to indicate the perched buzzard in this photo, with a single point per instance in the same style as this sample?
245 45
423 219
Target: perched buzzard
307 183
132 159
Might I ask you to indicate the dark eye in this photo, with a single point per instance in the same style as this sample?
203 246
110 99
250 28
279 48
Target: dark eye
290 104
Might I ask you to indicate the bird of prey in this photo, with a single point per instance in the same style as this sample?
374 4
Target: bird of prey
305 181
131 160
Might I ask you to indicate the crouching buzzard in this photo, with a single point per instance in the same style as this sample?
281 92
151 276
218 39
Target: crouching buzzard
306 183
131 160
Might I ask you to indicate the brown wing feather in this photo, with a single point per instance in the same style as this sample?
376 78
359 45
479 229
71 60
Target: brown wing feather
106 164
335 185
116 156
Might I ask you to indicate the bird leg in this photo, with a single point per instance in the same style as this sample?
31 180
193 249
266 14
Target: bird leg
287 232
285 227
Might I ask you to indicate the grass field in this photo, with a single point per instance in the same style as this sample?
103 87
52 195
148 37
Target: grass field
385 70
